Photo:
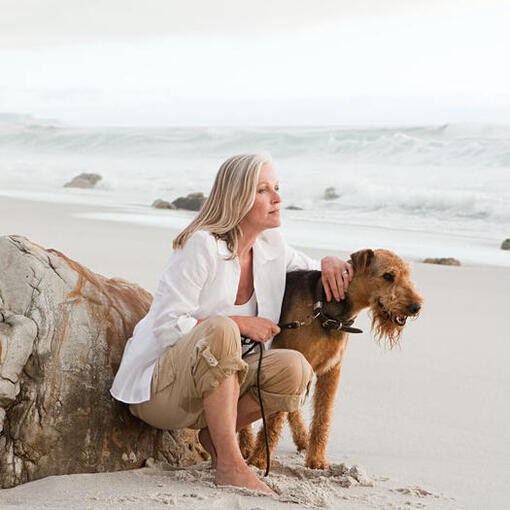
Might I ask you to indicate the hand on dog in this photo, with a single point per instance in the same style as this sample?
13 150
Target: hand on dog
256 328
334 280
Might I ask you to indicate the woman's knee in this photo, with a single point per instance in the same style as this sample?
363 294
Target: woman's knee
295 372
217 355
222 336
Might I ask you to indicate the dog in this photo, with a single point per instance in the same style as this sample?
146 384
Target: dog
381 283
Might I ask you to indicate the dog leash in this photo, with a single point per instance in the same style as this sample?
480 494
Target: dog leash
252 344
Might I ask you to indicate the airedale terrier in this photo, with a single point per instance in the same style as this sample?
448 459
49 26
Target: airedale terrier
380 282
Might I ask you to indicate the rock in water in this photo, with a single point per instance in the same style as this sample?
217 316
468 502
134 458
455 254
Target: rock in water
505 245
444 261
192 202
162 204
62 334
330 193
84 180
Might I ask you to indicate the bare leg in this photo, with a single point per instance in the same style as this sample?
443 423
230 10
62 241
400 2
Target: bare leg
221 415
248 411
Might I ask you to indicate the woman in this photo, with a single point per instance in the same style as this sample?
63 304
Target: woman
183 366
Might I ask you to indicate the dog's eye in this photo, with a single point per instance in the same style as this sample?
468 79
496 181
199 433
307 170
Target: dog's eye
389 277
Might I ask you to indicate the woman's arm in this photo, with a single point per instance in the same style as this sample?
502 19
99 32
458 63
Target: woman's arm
177 296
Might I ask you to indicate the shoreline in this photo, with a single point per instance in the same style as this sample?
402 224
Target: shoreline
295 228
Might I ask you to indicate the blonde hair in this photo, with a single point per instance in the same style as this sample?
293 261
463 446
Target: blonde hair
232 196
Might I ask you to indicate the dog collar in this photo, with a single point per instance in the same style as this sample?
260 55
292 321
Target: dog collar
326 321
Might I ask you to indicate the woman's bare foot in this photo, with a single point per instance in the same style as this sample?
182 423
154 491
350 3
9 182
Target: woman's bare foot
206 442
240 475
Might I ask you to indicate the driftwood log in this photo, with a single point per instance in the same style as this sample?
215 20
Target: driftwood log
62 334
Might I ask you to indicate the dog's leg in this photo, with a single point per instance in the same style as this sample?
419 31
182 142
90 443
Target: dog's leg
324 397
274 426
299 430
246 441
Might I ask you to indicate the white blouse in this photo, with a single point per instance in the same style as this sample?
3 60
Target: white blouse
248 309
197 283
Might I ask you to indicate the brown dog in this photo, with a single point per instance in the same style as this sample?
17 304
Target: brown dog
380 282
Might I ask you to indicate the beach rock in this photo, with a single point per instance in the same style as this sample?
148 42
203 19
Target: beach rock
294 208
162 204
505 245
445 261
192 202
330 193
83 180
62 334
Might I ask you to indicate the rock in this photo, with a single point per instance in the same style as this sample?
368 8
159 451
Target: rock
445 261
192 202
62 334
84 180
294 208
330 194
162 204
505 245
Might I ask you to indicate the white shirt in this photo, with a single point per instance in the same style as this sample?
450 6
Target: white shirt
197 283
248 309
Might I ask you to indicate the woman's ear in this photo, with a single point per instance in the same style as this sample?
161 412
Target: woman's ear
361 259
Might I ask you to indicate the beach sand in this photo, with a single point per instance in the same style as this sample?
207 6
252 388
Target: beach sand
424 426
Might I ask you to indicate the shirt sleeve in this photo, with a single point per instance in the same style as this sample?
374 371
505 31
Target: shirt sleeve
177 295
296 260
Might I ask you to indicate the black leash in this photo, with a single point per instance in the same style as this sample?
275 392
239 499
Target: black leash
252 344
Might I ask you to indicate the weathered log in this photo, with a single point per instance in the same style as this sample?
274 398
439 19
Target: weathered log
62 334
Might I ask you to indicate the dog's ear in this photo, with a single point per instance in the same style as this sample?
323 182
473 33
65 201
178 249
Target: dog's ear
361 259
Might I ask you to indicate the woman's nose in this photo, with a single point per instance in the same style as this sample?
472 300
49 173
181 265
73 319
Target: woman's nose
276 197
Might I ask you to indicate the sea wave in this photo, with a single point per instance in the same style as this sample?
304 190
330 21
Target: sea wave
444 145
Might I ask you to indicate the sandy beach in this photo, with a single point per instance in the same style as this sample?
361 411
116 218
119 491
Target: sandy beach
424 426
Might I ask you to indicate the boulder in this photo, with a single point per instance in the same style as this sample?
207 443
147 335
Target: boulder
162 204
330 193
444 261
192 202
62 334
505 245
84 180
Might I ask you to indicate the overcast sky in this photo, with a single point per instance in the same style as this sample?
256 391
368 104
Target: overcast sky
285 62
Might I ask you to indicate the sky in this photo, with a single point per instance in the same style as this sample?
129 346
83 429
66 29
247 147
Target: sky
279 62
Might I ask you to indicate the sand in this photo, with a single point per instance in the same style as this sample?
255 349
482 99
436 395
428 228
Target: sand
426 426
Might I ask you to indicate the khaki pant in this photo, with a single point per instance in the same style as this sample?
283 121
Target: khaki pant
192 368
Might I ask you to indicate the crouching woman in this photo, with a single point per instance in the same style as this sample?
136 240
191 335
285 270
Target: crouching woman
183 365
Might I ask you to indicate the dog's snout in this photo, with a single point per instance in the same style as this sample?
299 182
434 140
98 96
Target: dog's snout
414 308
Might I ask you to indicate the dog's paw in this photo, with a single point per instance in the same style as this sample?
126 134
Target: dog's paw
259 461
301 443
316 463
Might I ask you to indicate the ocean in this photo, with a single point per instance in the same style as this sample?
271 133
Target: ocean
422 191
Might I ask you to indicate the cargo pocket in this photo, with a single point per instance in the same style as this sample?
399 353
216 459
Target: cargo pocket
208 371
165 373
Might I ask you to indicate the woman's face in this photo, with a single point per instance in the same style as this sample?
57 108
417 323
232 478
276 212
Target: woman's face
265 212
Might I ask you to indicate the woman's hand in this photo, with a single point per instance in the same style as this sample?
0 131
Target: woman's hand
256 328
336 275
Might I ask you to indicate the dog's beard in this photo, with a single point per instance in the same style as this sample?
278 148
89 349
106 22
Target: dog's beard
385 331
387 328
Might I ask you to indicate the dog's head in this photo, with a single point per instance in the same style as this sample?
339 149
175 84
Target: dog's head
382 278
